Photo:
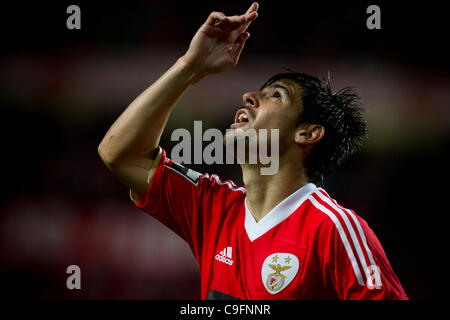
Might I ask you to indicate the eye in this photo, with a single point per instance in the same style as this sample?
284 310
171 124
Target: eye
277 94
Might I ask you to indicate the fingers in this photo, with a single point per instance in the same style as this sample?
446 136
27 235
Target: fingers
253 8
235 22
214 17
247 24
241 39
239 45
218 19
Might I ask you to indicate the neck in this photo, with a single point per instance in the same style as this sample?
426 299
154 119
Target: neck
264 192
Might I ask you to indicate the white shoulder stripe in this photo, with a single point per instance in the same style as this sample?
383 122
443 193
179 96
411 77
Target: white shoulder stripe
363 239
361 234
343 236
228 183
353 236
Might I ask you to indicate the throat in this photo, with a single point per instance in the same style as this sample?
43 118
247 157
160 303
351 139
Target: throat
265 192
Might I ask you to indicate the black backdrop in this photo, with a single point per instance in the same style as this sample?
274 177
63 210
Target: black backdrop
50 140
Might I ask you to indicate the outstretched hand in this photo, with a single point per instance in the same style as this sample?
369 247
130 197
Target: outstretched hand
218 43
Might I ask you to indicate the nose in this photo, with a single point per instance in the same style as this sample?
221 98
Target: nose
250 99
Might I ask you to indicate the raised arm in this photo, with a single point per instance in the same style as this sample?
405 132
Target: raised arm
127 146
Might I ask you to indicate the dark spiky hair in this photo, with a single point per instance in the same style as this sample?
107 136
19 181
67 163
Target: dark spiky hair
339 113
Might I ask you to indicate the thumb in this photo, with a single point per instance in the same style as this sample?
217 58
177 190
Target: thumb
239 44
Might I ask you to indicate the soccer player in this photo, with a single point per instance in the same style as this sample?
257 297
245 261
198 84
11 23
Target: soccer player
281 236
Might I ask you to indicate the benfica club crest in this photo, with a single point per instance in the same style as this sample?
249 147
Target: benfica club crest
278 270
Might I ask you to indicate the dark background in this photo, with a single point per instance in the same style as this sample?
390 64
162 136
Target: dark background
61 90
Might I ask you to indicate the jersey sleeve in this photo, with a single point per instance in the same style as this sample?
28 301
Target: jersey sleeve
355 263
174 197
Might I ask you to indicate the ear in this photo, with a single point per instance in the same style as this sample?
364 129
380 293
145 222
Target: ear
309 134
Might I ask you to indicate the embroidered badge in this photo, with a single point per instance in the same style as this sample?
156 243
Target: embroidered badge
278 270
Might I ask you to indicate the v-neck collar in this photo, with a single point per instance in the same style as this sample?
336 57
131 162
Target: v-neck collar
278 214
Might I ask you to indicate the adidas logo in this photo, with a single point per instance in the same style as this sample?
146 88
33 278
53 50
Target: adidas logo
225 256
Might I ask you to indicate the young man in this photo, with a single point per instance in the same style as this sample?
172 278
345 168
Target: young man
280 237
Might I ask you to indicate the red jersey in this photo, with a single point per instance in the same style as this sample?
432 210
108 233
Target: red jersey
307 247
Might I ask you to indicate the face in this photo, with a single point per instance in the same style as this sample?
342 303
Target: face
277 106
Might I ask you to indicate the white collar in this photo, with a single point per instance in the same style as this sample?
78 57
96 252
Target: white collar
279 213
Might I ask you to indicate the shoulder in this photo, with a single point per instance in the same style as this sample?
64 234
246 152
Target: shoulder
214 181
206 180
209 189
334 221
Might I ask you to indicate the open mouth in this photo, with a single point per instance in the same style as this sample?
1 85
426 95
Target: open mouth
241 116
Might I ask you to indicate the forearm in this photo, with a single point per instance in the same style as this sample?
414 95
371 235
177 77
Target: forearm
138 129
126 147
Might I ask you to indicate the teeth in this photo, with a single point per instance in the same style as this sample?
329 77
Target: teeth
242 116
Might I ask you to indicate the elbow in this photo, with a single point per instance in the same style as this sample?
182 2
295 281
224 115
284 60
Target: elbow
107 156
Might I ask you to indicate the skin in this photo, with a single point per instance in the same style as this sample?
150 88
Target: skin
278 106
216 47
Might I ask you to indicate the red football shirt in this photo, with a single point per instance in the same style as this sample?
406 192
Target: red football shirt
307 247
